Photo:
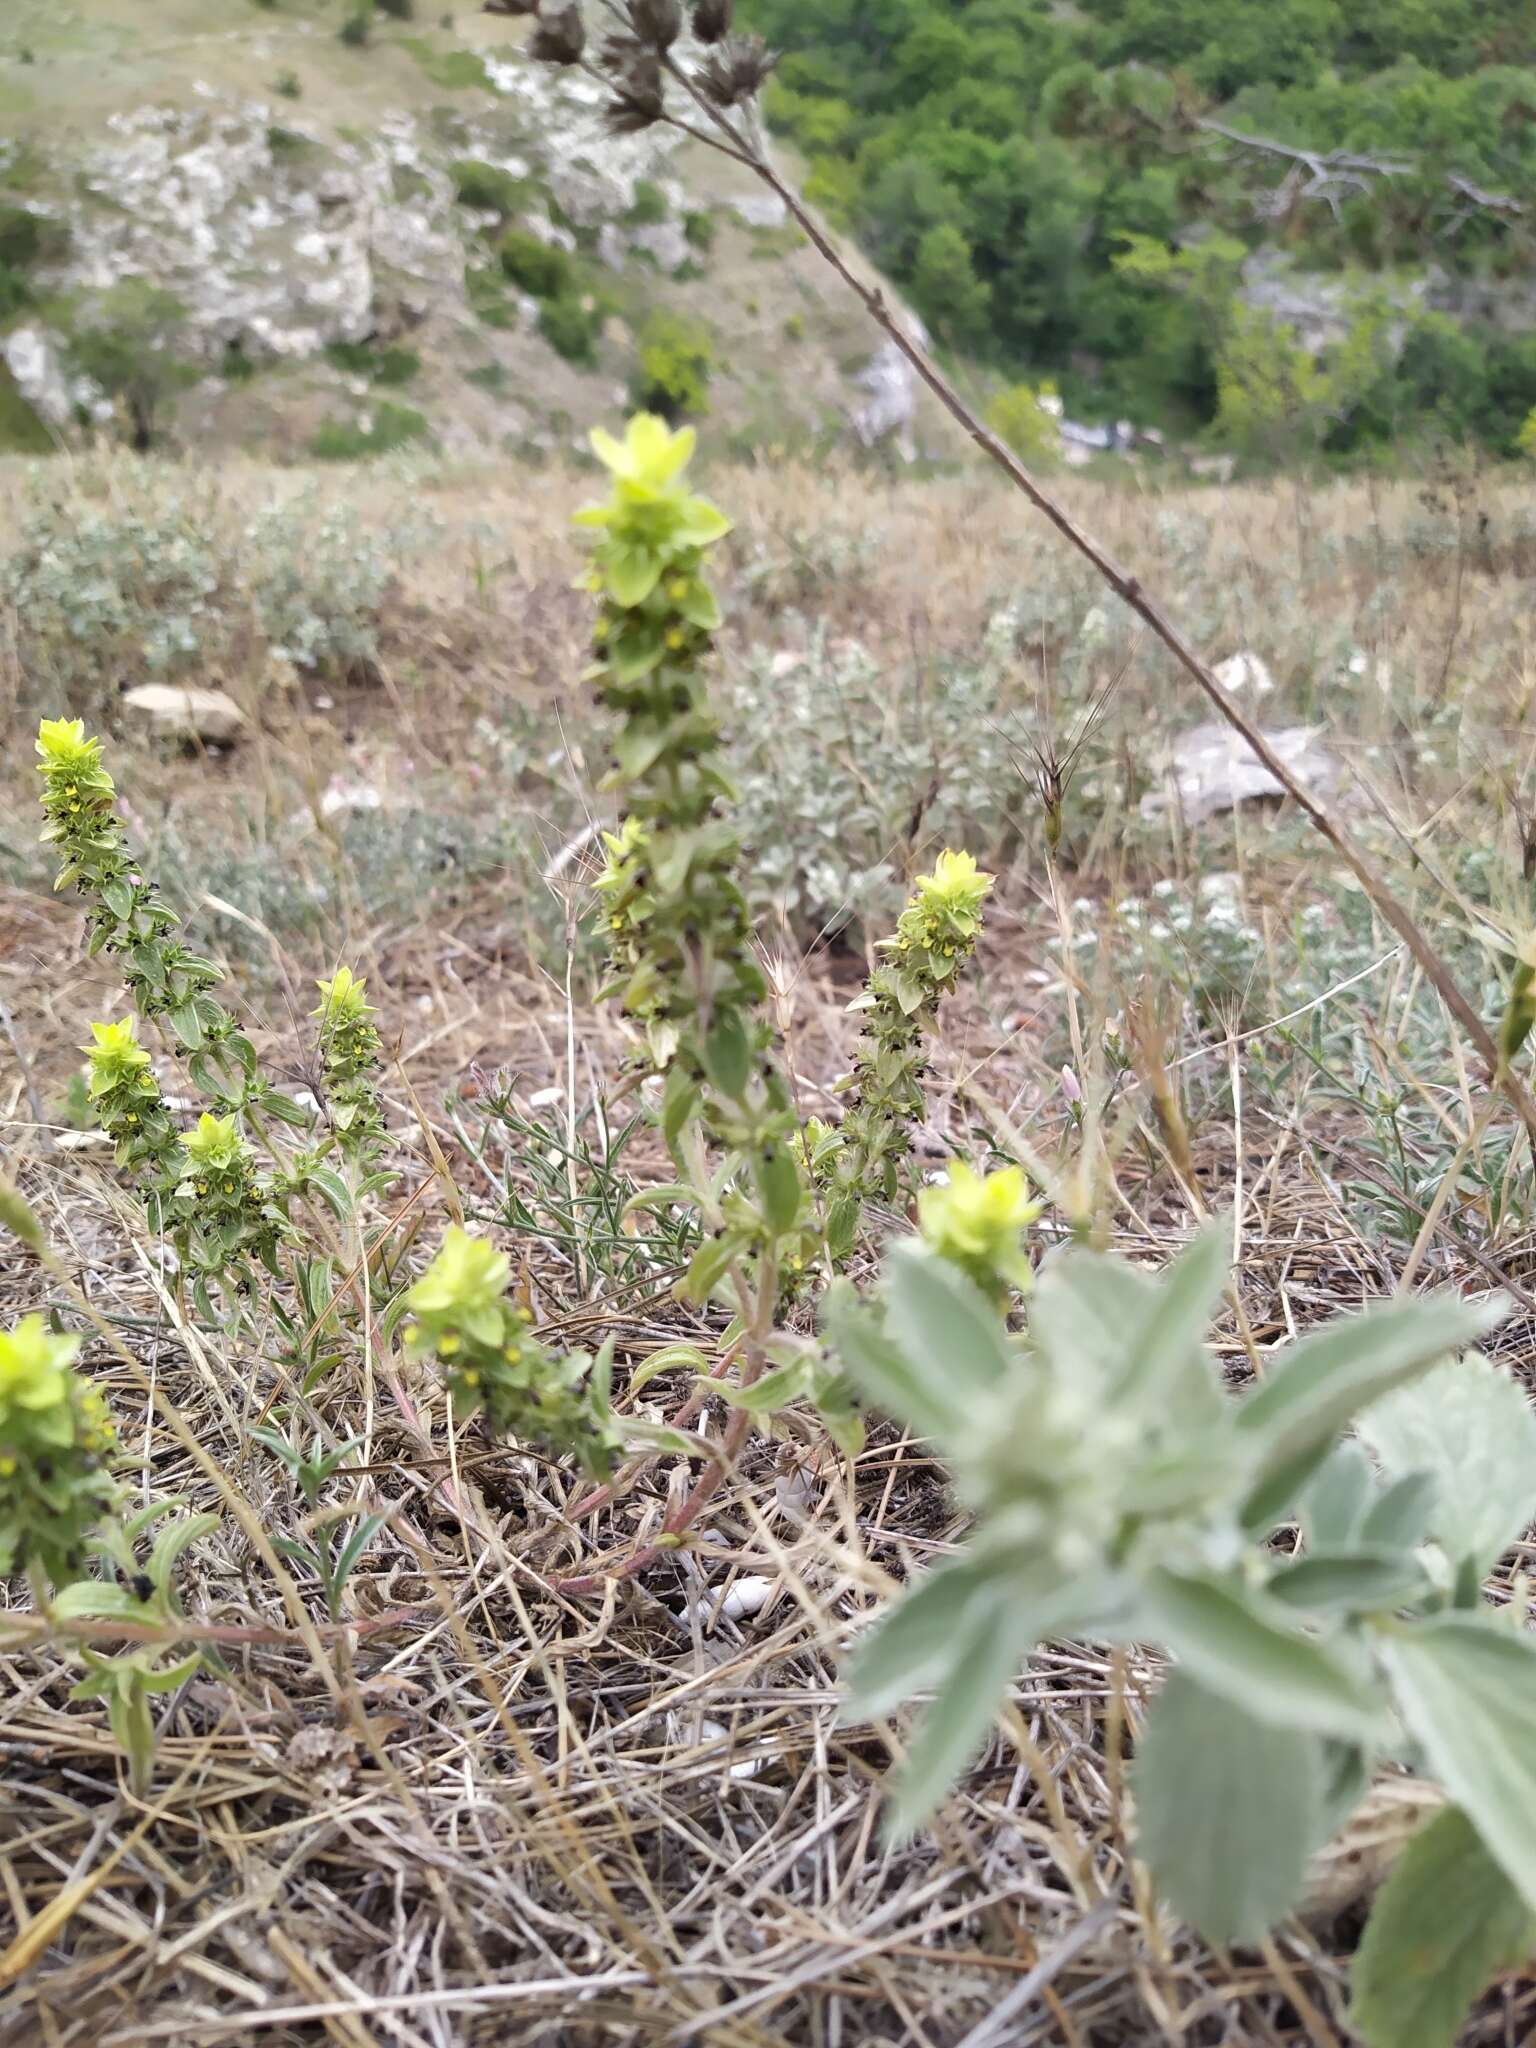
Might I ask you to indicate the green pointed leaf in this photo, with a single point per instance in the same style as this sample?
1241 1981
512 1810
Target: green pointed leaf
1401 1515
284 1108
727 1053
1471 1426
1229 1810
671 1358
327 1182
1445 1923
987 1651
1466 1687
1350 1579
780 1188
167 1678
117 894
1246 1647
173 1541
921 1399
187 1025
1310 1394
1338 1497
774 1390
679 1106
943 1322
94 1600
709 1266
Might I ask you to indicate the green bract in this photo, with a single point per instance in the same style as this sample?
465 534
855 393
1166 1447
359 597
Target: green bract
460 1315
977 1222
55 1441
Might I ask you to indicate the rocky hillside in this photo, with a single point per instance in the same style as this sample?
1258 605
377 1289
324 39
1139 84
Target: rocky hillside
419 236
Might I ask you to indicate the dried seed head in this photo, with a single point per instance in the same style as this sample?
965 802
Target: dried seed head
631 110
712 19
634 72
736 70
560 36
656 23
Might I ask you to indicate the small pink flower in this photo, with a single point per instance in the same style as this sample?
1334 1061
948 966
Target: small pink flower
1071 1087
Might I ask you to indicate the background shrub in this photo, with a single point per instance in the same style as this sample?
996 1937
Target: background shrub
538 267
571 327
677 356
388 427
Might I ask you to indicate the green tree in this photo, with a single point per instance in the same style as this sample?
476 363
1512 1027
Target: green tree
131 341
949 294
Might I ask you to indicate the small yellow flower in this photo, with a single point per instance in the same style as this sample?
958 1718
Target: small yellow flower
64 747
342 998
468 1274
650 454
956 885
35 1378
977 1221
116 1055
677 639
215 1144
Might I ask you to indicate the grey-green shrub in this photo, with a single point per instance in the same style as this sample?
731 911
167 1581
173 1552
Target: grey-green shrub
154 582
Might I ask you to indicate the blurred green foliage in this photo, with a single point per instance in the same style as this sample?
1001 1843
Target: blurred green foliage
999 157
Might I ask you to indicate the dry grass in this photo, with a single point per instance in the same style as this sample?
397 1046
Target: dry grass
488 1811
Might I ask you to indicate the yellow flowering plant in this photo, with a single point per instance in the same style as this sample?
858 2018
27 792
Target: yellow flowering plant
920 964
225 1210
56 1446
680 933
130 919
349 1056
494 1364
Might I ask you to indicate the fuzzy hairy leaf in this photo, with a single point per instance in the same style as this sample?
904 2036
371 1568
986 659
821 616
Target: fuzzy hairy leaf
1328 1378
1229 1810
1338 1497
1446 1921
913 1644
1247 1648
1353 1578
920 1638
890 1379
1473 1429
988 1646
943 1322
1466 1687
1141 1340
